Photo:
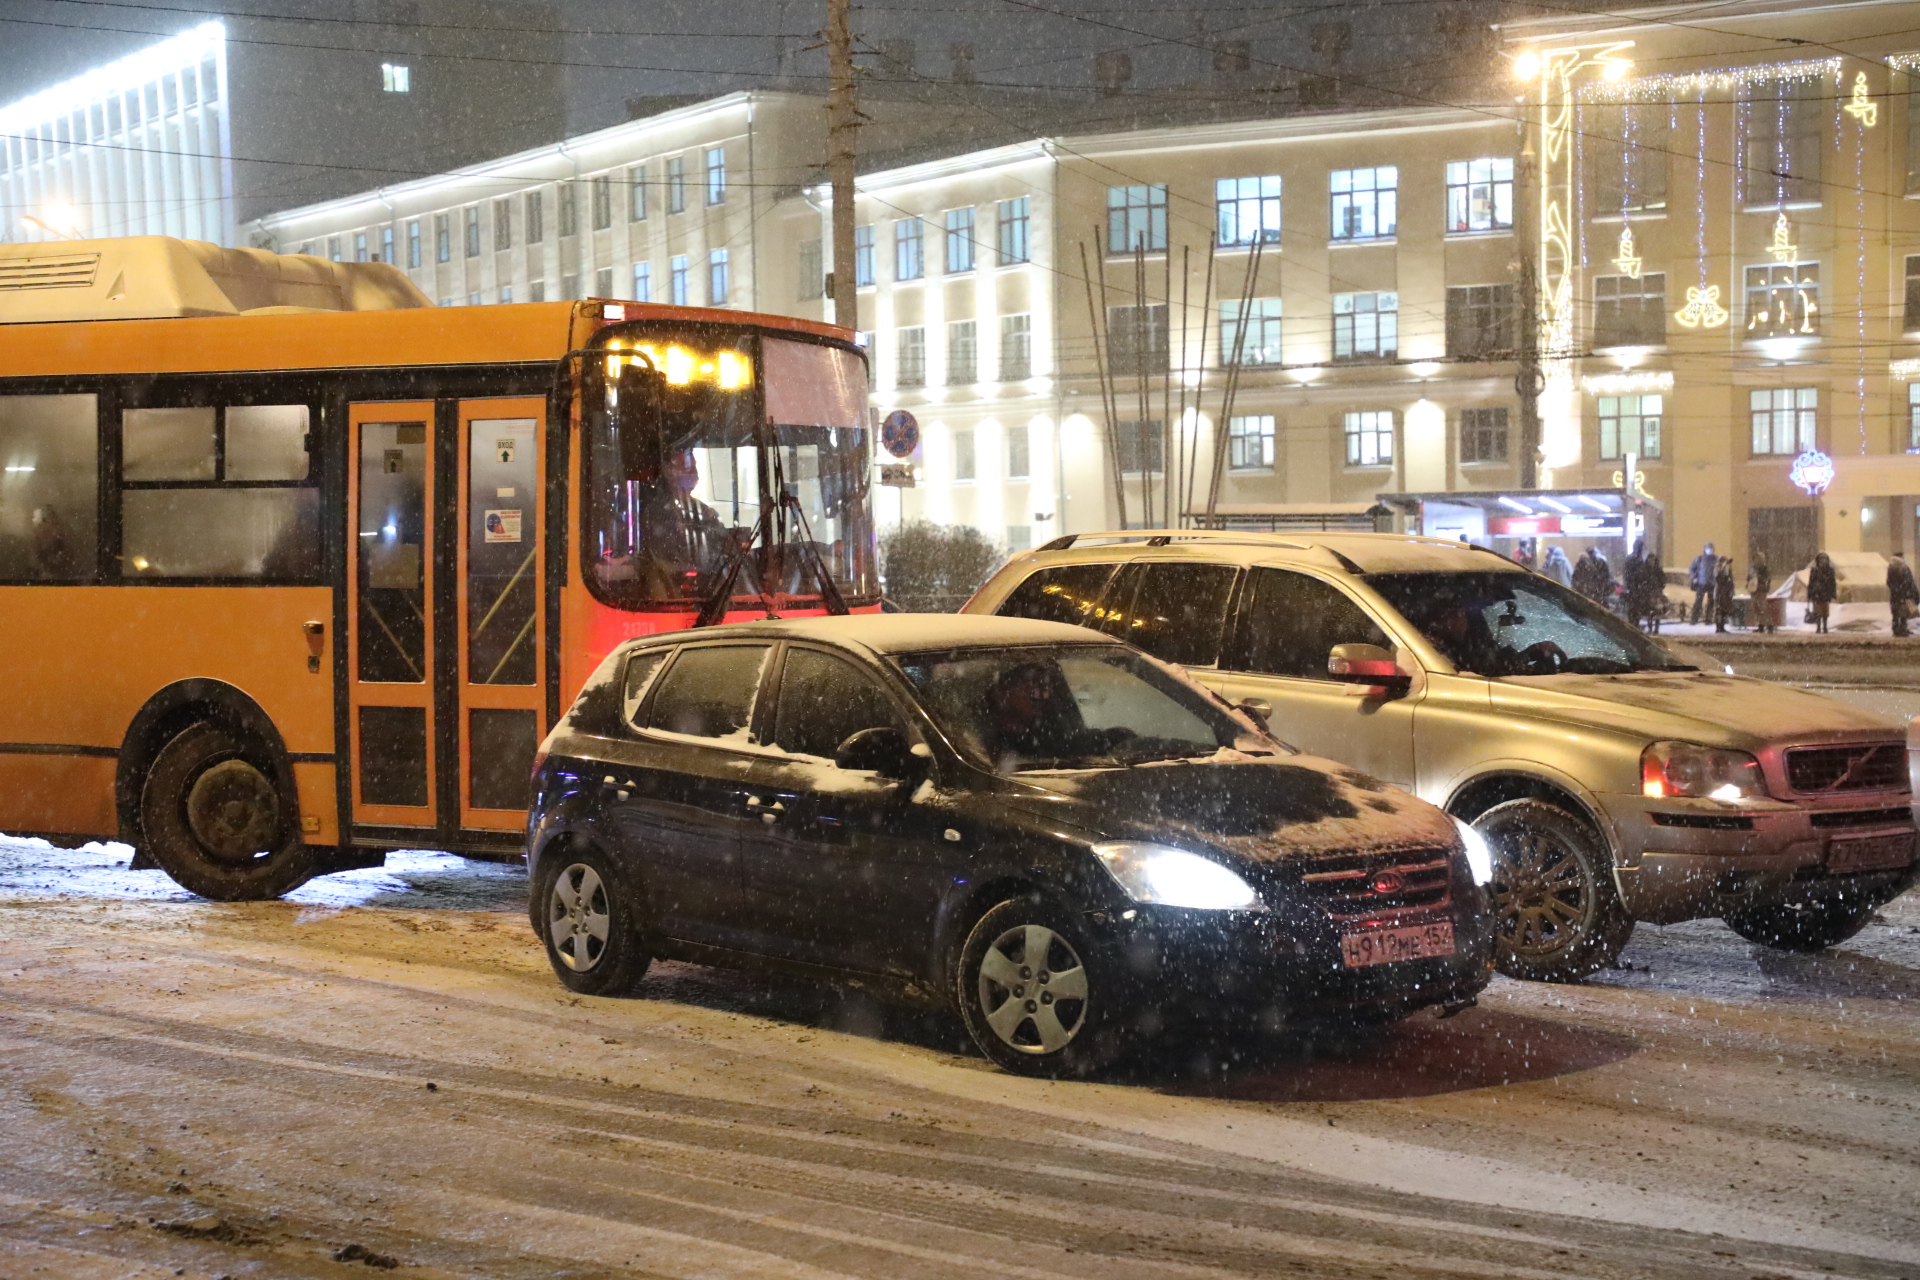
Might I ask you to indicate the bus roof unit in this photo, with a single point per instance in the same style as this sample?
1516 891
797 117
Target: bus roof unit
158 277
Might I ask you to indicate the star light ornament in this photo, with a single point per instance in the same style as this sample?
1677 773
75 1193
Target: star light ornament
1703 309
1861 105
1628 261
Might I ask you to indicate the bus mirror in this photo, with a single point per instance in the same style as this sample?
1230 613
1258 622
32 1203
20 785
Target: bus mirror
637 424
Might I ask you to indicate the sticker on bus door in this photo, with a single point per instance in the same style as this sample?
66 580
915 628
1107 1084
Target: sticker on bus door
504 448
503 526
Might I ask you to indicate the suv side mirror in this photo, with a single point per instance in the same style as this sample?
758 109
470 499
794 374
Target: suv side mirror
882 750
1367 664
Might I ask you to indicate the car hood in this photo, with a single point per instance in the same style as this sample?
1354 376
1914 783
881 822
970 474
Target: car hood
1699 705
1264 809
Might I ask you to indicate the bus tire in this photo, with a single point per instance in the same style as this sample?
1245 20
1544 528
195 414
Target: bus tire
213 818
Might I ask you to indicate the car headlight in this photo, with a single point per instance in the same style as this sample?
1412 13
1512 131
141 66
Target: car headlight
1683 769
1175 878
1479 856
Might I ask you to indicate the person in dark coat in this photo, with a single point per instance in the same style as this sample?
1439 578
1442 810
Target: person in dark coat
1700 578
1646 588
1902 592
1759 588
1822 590
1557 567
1593 577
1723 594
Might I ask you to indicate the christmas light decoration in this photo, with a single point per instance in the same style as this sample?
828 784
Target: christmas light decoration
1626 260
1628 384
1703 309
1642 88
1861 105
1783 249
1904 370
1812 471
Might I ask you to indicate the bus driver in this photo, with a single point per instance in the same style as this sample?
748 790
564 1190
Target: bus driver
681 537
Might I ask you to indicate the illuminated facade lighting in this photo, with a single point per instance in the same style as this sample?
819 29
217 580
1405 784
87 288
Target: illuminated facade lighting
1626 260
1627 384
1703 309
1861 105
1783 249
1904 370
140 146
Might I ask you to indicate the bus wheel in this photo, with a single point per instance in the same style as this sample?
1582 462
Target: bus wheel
213 818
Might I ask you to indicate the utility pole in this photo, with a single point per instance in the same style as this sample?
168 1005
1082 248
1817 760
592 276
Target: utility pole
1529 380
843 122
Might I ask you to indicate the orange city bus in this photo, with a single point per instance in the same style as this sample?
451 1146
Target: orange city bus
296 569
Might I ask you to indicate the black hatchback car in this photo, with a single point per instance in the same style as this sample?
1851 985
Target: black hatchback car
1062 837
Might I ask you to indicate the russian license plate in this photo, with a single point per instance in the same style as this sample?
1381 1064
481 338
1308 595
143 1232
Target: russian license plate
1871 853
1384 946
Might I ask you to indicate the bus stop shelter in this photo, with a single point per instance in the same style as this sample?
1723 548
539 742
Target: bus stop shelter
1530 520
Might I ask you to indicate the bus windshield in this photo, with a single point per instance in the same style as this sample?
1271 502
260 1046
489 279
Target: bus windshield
739 427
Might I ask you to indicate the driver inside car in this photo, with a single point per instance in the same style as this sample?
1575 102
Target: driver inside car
1460 629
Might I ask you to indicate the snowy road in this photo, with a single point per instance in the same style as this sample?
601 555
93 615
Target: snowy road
385 1069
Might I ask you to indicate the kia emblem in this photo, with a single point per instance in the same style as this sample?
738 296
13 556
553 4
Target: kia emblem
1388 881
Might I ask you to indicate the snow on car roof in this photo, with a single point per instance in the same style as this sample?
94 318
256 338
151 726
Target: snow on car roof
906 632
1369 552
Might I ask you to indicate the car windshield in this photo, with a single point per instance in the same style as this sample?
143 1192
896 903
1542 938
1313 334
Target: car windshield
1518 624
1071 707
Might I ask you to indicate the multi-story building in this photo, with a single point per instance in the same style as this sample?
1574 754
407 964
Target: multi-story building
256 112
1729 249
1351 334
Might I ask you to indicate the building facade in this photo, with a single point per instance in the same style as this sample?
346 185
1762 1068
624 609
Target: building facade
1293 316
1729 248
235 118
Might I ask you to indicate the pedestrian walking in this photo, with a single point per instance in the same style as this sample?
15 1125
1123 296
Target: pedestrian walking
1593 577
1759 592
1903 594
1723 594
1822 590
1700 578
1558 567
1646 588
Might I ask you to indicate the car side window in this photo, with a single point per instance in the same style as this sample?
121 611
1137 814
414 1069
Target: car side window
825 700
1289 622
1064 593
1180 611
642 667
708 692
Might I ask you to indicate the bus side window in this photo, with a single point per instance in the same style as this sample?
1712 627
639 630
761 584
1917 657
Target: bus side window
49 476
213 492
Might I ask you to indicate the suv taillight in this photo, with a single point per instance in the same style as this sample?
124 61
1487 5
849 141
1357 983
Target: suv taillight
539 759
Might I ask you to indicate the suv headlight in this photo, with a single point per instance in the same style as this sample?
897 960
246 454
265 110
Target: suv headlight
1683 769
1175 878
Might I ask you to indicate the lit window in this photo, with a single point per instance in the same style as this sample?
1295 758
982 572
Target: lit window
1370 438
643 282
909 256
719 279
677 278
1261 344
1365 203
359 246
395 78
1480 194
1783 300
716 175
442 238
413 243
1013 225
1631 424
1250 442
959 241
386 245
863 256
1366 326
1137 218
1785 420
1248 208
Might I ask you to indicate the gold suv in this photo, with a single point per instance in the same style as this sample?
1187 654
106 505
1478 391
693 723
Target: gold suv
1614 781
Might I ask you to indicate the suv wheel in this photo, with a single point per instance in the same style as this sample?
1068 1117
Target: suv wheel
1032 992
1801 926
1557 917
590 922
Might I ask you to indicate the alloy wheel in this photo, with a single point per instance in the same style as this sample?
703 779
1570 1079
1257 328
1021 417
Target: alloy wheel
1032 989
578 921
1541 893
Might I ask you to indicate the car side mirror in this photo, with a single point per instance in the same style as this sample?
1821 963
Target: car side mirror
882 750
1367 664
637 423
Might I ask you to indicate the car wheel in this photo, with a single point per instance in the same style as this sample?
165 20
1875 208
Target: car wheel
1557 917
590 922
1032 991
213 817
1801 926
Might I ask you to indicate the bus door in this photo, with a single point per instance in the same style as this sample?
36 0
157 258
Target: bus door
392 645
500 608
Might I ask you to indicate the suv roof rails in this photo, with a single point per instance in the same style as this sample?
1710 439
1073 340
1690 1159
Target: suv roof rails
1165 537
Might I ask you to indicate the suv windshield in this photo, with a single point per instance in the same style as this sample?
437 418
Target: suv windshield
1070 707
1518 624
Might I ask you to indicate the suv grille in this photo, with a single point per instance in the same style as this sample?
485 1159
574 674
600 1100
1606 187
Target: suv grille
1367 884
1868 766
